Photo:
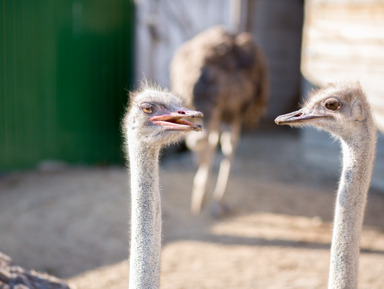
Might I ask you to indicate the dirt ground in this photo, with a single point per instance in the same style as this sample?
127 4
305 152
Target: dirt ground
73 222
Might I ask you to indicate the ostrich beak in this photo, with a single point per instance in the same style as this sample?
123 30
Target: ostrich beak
298 117
175 120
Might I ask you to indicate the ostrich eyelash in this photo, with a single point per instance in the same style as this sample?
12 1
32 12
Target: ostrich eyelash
148 108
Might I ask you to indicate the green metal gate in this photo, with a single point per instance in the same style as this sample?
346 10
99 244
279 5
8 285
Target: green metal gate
65 67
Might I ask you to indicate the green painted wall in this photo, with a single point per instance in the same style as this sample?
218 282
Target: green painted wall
65 66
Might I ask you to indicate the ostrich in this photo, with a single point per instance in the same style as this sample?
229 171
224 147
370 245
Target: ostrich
224 75
155 118
12 276
343 110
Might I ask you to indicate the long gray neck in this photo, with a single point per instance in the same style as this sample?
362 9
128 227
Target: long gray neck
145 217
358 158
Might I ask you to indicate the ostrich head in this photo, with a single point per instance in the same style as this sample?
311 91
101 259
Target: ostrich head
158 117
341 109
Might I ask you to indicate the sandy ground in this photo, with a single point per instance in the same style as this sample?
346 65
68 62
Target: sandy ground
72 222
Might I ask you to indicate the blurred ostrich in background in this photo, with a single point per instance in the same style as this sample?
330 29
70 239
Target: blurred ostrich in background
224 75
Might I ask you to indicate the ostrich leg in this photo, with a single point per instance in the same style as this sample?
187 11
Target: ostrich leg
206 156
229 140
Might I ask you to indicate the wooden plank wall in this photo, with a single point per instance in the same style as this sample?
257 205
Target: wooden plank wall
344 40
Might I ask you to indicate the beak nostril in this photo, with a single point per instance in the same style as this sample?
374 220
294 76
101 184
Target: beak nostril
298 114
181 112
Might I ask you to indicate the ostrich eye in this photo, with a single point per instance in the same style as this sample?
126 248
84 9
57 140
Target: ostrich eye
148 108
332 104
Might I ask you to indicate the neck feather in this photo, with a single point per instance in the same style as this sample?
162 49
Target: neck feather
358 158
145 217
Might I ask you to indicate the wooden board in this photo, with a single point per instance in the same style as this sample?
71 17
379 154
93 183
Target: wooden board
344 40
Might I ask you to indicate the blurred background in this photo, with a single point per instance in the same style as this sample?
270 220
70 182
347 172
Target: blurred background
65 69
67 65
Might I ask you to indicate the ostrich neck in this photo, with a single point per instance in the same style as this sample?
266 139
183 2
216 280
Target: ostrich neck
358 158
145 217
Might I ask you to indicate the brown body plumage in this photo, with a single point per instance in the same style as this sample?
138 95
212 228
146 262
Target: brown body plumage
222 73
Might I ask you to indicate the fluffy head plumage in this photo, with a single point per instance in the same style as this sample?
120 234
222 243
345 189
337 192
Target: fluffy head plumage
155 116
340 108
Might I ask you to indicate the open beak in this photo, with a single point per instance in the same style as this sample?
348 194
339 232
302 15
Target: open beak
176 120
297 117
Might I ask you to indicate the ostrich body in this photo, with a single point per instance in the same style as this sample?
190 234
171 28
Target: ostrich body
343 110
223 75
154 119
